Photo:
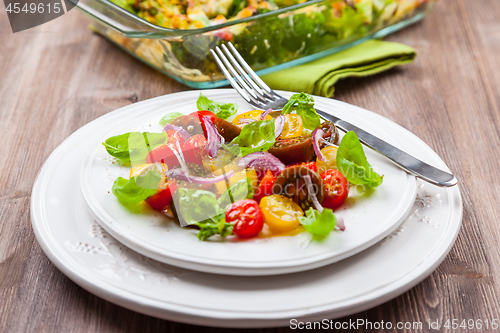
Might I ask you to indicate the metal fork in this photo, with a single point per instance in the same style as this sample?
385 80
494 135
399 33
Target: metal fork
248 84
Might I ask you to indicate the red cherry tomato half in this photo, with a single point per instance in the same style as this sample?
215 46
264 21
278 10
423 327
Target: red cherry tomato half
164 154
174 136
161 200
336 189
197 141
201 114
310 165
265 186
247 217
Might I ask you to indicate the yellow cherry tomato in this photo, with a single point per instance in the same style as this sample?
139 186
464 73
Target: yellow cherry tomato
223 158
280 213
141 169
330 161
293 126
222 186
255 114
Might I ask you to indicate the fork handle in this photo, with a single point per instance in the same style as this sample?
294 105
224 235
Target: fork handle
405 161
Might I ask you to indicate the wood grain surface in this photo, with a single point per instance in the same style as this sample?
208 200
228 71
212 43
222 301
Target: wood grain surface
60 76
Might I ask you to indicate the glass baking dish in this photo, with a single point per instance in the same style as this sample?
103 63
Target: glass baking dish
269 42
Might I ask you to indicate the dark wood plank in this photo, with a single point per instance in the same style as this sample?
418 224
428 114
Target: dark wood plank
52 83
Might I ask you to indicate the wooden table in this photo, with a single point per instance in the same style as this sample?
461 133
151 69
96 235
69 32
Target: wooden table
58 77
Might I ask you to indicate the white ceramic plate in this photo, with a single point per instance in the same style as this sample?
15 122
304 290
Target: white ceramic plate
368 217
89 256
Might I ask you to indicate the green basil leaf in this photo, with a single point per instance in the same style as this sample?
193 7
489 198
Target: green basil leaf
138 188
117 146
167 119
214 226
194 205
310 118
352 162
318 224
256 136
240 190
134 145
304 105
221 109
288 108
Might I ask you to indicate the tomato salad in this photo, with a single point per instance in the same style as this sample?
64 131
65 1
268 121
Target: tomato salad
263 173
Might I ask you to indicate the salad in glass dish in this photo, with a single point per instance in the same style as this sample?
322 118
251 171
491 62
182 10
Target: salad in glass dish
176 37
255 174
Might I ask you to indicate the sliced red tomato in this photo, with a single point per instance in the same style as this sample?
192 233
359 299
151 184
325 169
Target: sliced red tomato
163 199
265 187
310 165
162 154
336 189
247 217
226 35
195 145
201 114
174 136
165 154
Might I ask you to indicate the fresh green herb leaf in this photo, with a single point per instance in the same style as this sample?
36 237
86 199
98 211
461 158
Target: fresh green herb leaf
167 119
303 104
214 226
134 145
352 162
137 188
232 148
221 110
318 224
194 205
256 136
240 190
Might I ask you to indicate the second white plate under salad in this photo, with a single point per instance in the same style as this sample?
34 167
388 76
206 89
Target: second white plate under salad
368 218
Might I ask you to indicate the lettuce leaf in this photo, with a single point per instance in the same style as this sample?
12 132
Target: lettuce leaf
318 224
221 110
256 136
167 119
194 205
240 190
352 162
201 208
304 106
137 188
134 145
352 21
214 226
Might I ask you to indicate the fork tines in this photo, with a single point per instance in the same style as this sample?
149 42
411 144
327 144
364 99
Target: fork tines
242 77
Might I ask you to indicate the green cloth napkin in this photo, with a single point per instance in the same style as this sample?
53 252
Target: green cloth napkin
319 77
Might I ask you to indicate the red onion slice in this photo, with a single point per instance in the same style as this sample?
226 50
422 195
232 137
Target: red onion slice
245 121
214 139
180 157
261 161
310 191
265 113
179 174
178 129
316 136
279 124
340 224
